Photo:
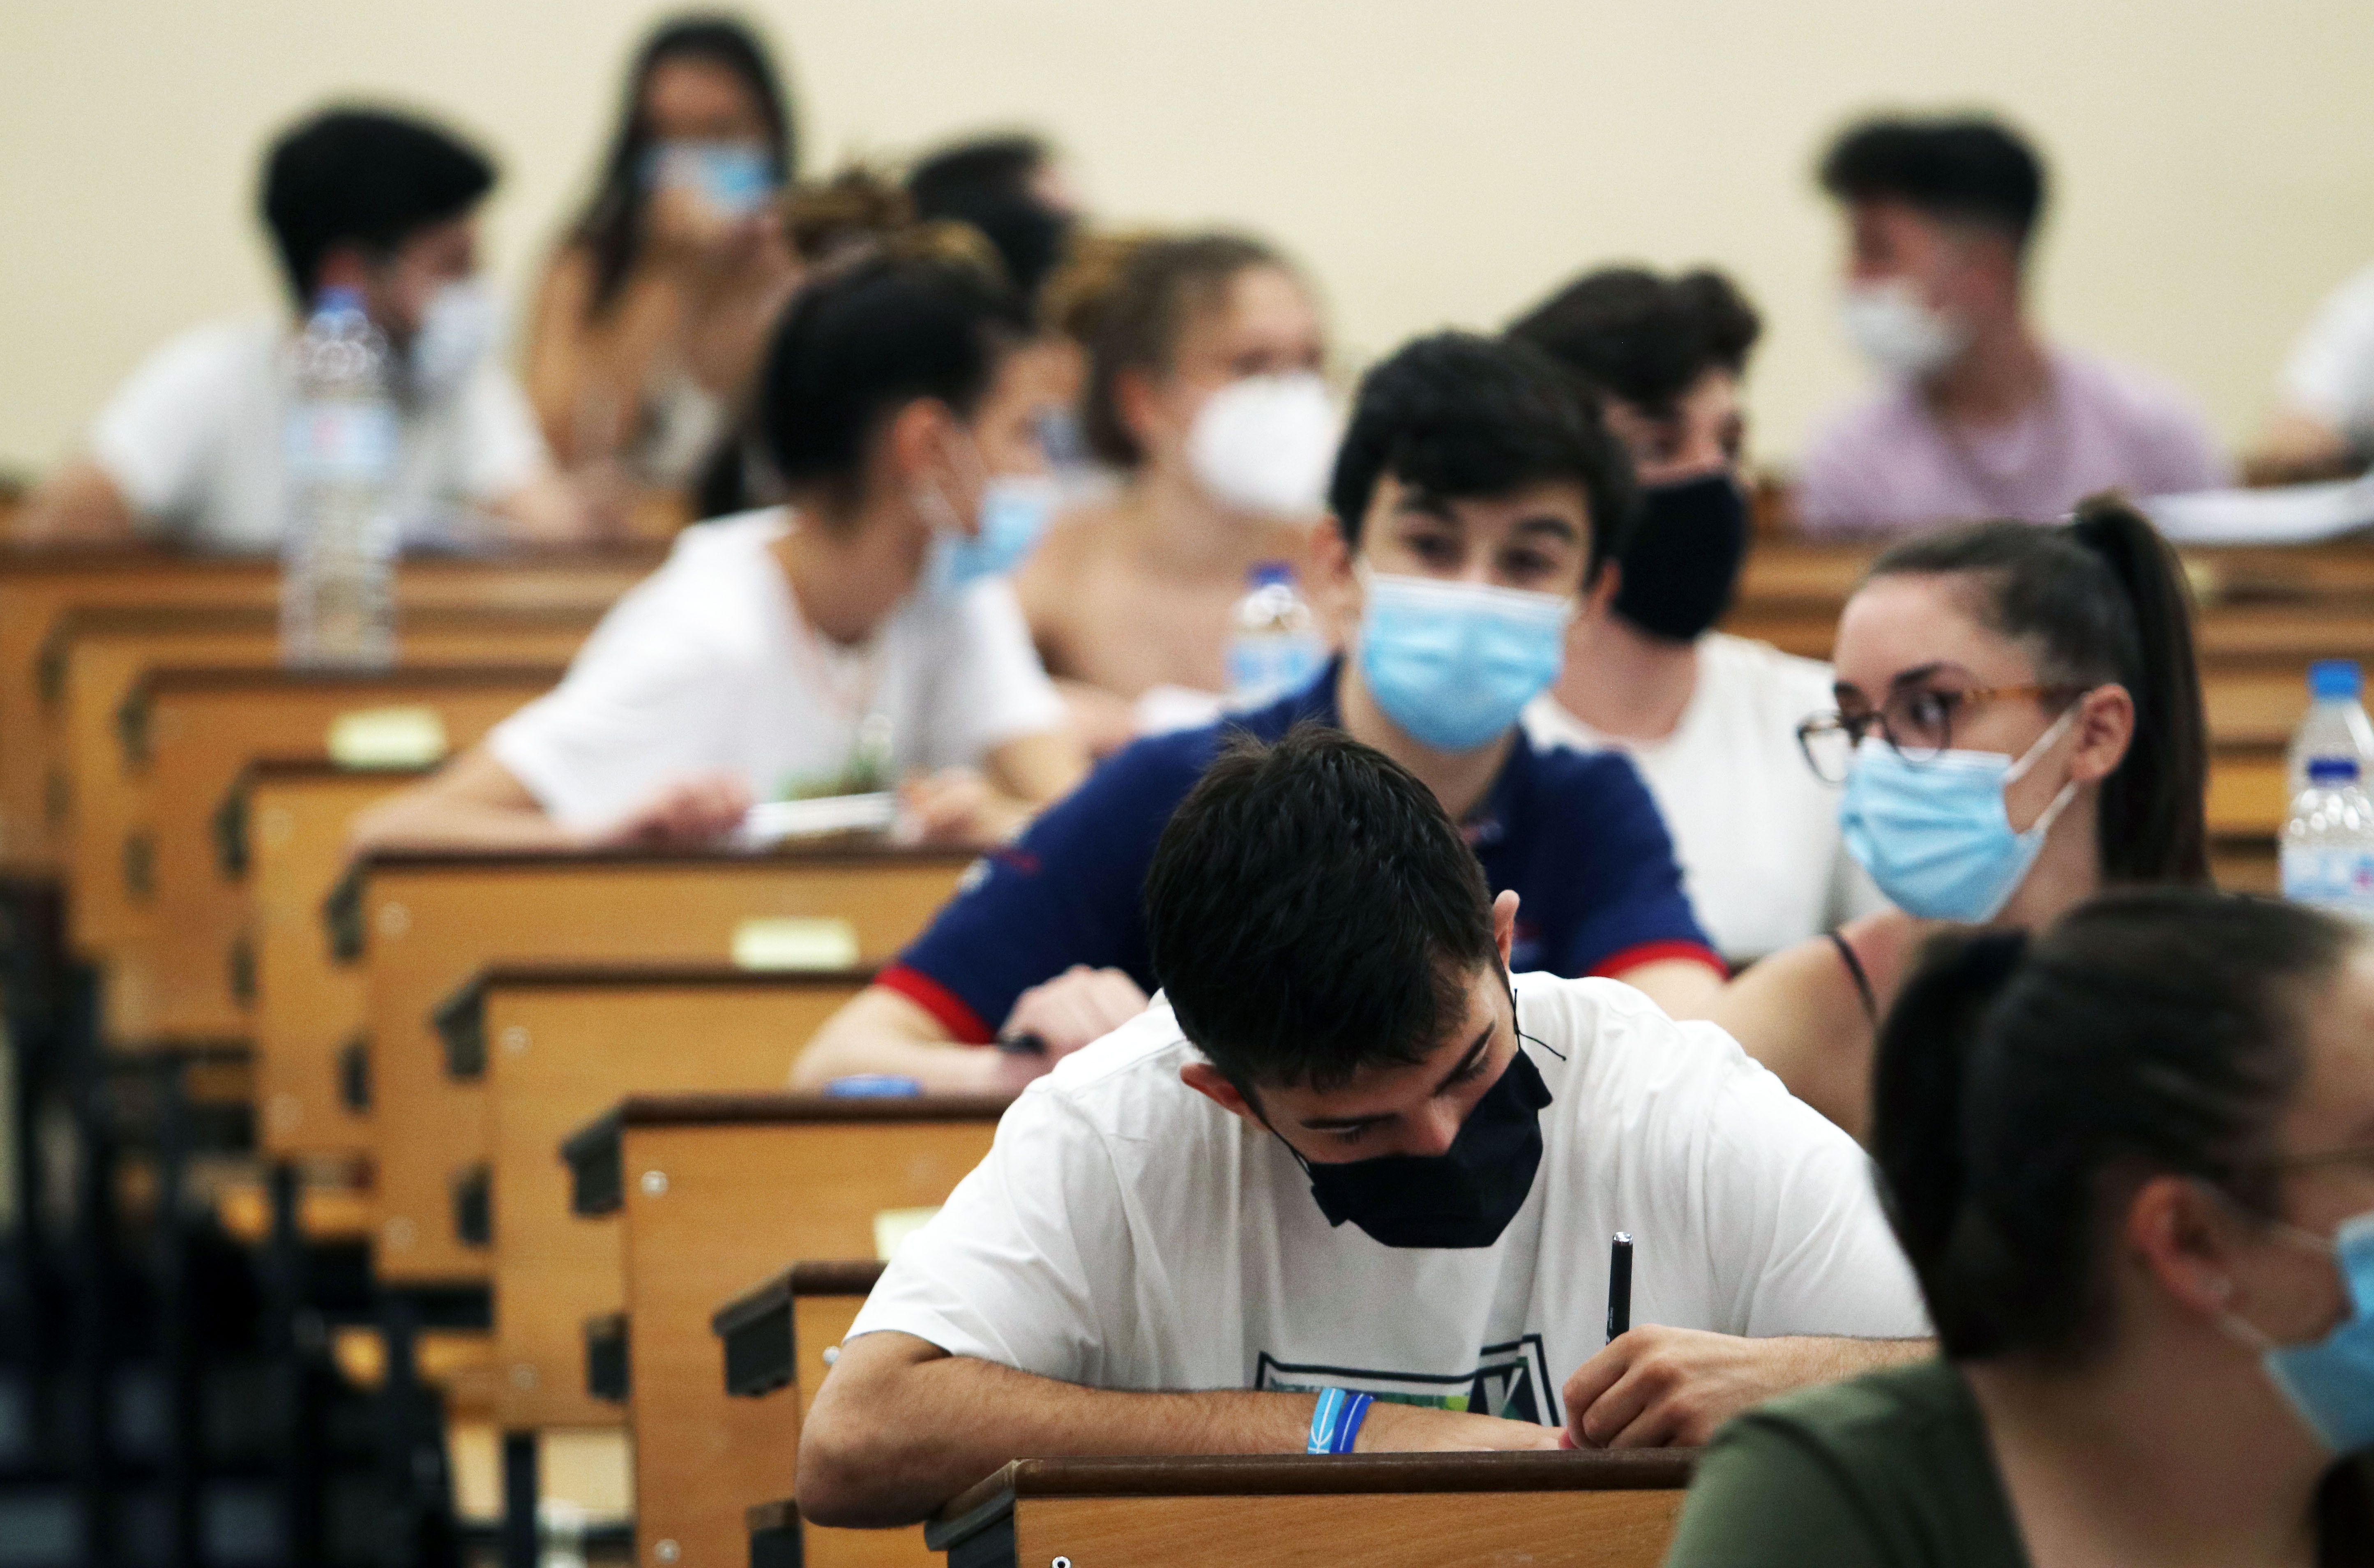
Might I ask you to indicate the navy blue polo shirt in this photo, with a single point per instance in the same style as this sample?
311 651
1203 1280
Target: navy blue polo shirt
1574 833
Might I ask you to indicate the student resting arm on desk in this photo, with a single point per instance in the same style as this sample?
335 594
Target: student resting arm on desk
862 635
1476 496
190 448
1354 1152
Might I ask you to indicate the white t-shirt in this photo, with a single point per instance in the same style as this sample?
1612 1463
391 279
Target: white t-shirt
1126 1232
193 441
707 664
2330 371
1755 832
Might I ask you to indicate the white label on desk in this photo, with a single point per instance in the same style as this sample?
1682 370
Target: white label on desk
892 1226
783 942
387 738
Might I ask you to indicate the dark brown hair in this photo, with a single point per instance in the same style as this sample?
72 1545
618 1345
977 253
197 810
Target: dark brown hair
2102 598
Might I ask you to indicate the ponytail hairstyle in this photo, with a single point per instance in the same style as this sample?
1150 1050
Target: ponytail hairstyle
2102 598
2023 1085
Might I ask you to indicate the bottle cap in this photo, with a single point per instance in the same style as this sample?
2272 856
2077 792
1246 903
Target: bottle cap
2327 772
2335 678
339 301
1277 573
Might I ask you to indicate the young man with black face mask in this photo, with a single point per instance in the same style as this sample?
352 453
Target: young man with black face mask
1710 720
1348 1151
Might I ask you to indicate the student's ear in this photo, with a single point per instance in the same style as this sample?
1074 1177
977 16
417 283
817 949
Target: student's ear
1334 589
2106 727
918 450
1504 925
1599 593
1139 401
2178 1236
1206 1080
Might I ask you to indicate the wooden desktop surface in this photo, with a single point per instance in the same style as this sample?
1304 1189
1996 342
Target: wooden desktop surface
434 921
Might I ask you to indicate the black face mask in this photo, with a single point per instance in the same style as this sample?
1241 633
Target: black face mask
1461 1199
1682 562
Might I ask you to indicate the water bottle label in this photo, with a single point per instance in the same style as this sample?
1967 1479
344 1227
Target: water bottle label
2339 879
1261 668
342 441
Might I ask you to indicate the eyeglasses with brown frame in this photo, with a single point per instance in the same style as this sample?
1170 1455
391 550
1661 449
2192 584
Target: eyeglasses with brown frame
1917 722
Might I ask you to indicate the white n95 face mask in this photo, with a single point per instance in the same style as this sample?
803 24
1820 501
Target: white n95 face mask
1266 444
461 327
1890 325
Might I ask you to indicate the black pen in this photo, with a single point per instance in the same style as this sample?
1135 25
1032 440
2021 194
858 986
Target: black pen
1619 1285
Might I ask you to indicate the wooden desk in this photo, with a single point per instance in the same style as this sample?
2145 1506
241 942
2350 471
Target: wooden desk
39 583
311 1067
91 668
169 976
1581 1510
719 1192
436 920
786 1334
562 1044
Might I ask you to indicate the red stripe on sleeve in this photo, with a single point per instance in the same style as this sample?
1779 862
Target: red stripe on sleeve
1615 964
937 1000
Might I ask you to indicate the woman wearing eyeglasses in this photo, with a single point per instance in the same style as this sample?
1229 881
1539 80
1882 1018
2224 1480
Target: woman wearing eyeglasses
2019 726
2132 1160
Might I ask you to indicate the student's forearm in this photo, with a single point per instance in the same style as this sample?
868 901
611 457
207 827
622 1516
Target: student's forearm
937 1427
941 1067
431 821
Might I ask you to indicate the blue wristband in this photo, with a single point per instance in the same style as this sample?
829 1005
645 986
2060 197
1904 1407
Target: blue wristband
1336 1423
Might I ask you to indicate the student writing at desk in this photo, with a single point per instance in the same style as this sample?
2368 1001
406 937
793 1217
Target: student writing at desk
1476 495
859 636
191 447
1353 1152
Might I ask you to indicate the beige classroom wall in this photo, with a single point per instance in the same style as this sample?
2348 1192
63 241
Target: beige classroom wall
1434 162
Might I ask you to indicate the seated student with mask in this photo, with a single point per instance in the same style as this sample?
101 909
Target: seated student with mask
1204 389
190 448
2130 1161
1710 720
835 645
1154 1257
1472 503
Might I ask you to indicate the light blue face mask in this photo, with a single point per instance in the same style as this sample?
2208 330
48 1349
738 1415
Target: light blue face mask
1014 512
1934 834
734 178
1453 663
2329 1382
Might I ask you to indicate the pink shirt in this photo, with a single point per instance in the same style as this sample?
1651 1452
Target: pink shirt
1887 466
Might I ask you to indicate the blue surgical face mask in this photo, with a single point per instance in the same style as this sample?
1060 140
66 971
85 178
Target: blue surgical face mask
1935 835
734 178
1014 512
2329 1382
1453 663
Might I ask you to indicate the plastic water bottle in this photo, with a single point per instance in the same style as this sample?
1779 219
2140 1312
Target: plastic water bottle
2328 855
2336 724
1275 648
337 603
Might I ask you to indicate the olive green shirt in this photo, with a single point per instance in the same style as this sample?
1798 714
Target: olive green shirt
1890 1471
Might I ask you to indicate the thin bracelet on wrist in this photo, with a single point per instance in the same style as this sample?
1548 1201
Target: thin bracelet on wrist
1336 1420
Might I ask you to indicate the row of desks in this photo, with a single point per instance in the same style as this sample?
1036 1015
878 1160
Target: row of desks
446 1024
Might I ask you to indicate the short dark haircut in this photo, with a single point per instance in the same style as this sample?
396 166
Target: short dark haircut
858 344
1311 911
1161 283
363 177
2101 598
987 183
611 228
2021 1083
1641 337
1971 167
1466 417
